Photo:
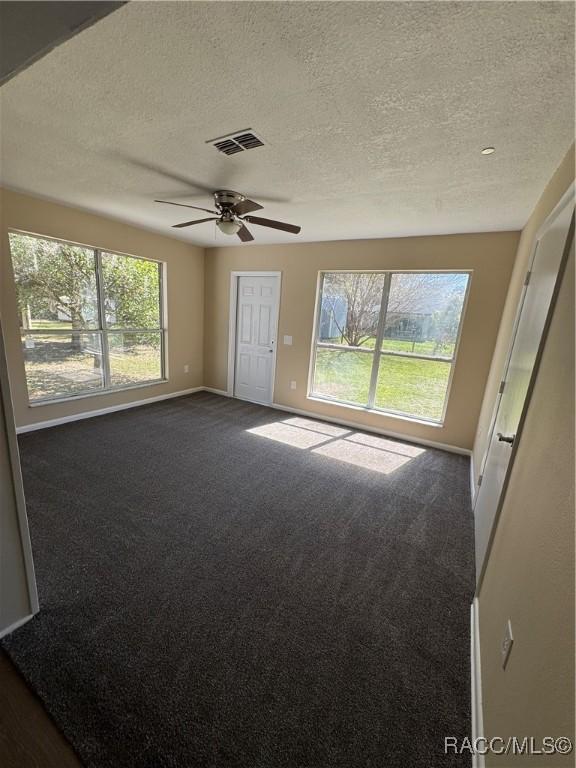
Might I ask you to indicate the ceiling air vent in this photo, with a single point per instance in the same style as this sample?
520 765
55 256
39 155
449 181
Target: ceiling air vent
228 147
248 140
236 142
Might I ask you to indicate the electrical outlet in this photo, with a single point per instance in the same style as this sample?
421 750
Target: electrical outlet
292 385
288 342
186 369
507 642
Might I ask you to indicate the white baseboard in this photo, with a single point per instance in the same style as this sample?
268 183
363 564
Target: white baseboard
375 430
214 391
224 393
473 488
15 625
102 411
353 425
476 682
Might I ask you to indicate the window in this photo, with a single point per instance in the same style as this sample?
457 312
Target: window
90 321
387 340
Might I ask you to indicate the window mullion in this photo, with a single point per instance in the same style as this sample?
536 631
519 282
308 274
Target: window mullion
162 319
319 307
379 339
102 313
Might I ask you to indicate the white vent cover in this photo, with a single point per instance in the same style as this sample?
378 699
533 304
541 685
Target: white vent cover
236 142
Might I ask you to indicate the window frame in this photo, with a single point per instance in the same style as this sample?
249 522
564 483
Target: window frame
102 331
377 352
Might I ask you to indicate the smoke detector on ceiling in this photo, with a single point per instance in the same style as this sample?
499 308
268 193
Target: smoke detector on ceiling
240 141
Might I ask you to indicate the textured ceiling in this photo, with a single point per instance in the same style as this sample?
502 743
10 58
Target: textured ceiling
29 30
374 114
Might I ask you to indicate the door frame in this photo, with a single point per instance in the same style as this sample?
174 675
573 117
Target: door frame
232 323
566 199
540 232
7 416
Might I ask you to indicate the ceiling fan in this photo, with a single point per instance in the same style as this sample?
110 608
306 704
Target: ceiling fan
231 213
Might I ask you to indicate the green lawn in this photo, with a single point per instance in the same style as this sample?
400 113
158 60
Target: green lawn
429 347
410 386
419 347
54 370
140 364
51 325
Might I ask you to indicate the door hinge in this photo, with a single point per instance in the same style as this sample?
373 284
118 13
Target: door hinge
501 389
480 480
527 278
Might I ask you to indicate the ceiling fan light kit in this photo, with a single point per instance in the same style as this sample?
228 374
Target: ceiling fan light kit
228 227
231 213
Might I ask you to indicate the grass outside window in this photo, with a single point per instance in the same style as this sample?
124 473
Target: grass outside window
387 341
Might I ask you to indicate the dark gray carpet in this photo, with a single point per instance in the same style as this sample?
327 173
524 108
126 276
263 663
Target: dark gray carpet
214 598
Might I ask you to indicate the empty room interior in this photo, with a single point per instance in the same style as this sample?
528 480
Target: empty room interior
287 384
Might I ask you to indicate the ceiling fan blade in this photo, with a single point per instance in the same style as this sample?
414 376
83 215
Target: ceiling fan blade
182 205
244 234
188 181
167 173
273 224
197 221
246 206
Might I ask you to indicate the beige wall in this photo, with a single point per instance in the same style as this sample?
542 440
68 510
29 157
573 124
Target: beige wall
490 256
185 297
556 187
530 573
529 576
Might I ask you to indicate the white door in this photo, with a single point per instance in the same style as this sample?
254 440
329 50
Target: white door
530 323
256 324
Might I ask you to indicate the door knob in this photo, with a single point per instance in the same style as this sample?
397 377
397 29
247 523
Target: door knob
505 438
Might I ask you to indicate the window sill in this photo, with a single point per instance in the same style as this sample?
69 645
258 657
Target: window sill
99 393
376 411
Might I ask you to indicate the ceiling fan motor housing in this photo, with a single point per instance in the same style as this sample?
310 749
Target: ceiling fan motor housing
225 198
